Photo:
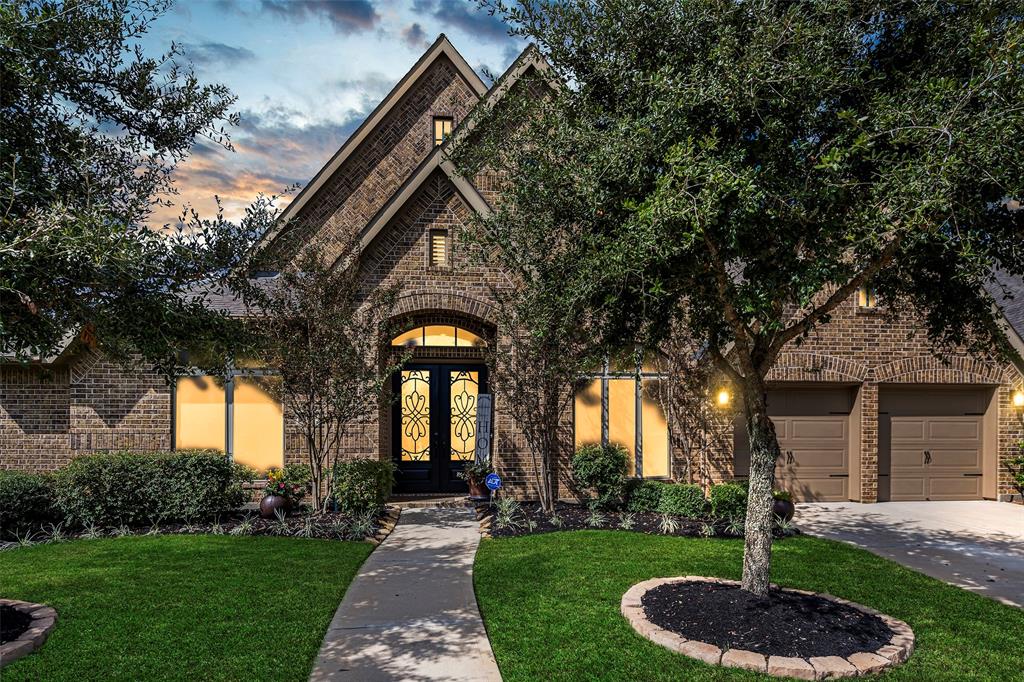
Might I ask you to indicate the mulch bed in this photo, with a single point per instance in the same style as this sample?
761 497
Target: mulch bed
530 519
328 526
12 623
781 624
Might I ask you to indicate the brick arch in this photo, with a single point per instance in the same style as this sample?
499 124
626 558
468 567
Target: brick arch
796 366
930 369
446 306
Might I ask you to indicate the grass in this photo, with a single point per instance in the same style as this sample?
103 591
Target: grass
180 607
551 606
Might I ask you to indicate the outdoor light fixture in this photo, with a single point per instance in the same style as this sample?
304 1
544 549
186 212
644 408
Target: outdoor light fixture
1018 398
723 398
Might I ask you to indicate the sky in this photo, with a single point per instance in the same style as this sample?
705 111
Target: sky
306 73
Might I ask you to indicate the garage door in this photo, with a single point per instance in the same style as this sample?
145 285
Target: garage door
813 427
931 444
935 458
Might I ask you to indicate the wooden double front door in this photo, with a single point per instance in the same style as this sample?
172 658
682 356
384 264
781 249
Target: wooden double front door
433 424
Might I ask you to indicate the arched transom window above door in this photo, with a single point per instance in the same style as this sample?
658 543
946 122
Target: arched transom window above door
439 336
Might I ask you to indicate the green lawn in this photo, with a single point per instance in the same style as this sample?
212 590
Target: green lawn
180 607
551 606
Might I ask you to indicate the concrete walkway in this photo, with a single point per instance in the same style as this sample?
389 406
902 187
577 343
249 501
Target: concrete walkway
978 546
411 613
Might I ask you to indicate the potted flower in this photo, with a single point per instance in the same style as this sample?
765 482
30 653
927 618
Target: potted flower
282 492
783 507
474 474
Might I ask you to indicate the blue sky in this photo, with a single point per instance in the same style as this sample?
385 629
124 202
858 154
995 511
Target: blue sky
306 73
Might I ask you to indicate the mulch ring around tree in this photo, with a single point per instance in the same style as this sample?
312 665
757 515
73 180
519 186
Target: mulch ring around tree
787 633
300 524
12 623
527 518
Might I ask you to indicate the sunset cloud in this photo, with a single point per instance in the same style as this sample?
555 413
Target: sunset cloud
219 54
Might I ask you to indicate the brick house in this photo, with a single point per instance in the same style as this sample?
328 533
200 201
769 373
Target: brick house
865 411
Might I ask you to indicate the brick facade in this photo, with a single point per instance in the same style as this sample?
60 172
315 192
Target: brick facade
88 404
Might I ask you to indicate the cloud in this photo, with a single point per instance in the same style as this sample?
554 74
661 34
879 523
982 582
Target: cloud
271 154
346 16
415 37
208 53
465 16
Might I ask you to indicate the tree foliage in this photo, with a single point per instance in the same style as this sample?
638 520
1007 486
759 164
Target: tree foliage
91 128
322 335
744 167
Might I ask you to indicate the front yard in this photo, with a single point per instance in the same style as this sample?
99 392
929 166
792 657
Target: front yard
181 607
551 606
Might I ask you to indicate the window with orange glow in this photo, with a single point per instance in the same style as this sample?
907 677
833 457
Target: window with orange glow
620 405
438 335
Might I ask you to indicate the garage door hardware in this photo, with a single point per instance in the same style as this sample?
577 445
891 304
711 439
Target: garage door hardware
789 457
973 475
839 475
927 456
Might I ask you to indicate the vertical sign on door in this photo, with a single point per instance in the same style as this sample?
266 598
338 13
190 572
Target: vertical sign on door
483 428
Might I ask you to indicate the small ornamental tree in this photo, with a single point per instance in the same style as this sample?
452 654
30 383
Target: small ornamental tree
322 337
743 168
541 351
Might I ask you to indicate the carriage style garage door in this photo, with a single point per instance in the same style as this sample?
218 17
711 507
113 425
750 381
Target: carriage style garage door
931 444
813 426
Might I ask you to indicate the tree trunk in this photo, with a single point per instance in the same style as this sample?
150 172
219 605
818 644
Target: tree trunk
764 452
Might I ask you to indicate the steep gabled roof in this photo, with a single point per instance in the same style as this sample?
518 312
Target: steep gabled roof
529 59
441 47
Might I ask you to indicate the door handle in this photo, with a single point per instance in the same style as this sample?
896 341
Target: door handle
927 456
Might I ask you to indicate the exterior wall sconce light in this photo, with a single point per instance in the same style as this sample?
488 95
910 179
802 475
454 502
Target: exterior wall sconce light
723 397
1018 398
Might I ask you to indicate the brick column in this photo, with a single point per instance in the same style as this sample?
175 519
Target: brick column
869 442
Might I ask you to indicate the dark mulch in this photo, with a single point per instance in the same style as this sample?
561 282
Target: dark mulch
781 624
12 623
300 524
529 519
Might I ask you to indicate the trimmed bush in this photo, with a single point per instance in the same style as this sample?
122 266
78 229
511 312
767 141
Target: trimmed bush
135 488
26 502
683 499
644 496
728 501
362 485
601 468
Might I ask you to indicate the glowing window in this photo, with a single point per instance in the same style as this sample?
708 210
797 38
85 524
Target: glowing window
258 428
867 297
438 248
588 413
200 416
634 417
439 336
256 436
442 129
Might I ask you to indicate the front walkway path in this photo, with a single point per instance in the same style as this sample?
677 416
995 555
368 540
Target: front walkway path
978 546
411 613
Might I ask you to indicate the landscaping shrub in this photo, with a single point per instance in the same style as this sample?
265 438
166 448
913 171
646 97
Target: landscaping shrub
601 468
362 485
134 488
644 496
26 502
728 501
683 499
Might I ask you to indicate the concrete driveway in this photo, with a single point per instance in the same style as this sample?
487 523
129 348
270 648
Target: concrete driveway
978 546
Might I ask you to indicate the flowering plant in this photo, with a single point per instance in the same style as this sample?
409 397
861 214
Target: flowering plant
287 482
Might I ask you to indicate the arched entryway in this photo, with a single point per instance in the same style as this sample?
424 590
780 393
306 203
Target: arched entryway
433 419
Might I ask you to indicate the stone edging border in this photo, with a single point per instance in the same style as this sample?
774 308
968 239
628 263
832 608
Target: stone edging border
387 524
43 619
895 652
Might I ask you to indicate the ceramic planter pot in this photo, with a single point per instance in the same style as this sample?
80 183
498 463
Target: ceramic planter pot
477 490
784 509
271 503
